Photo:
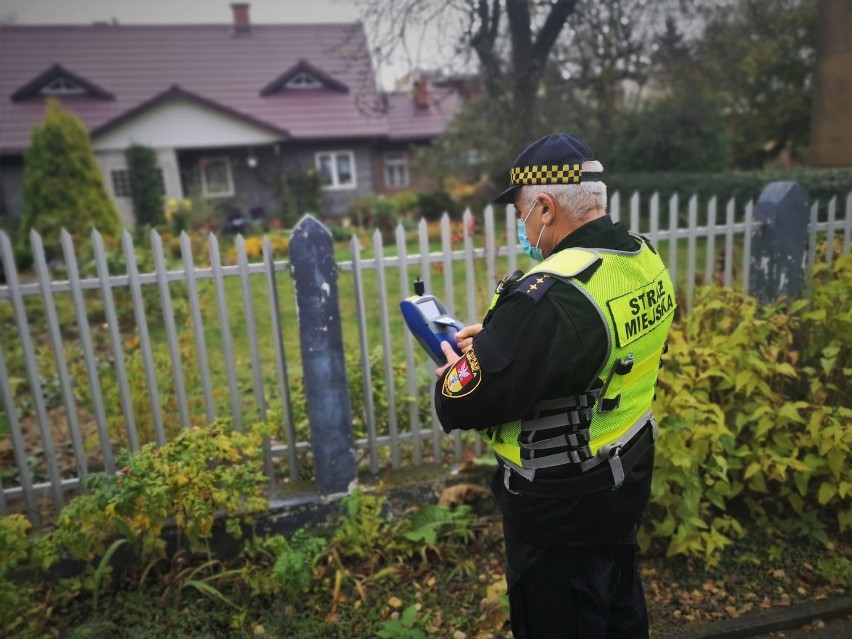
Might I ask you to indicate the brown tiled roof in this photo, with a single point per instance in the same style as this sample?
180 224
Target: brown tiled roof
136 64
408 122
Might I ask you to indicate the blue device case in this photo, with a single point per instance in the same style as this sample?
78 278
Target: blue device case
428 321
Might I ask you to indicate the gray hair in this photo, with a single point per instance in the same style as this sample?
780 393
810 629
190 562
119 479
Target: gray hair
578 199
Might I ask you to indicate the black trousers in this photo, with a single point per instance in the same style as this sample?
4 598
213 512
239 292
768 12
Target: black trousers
567 592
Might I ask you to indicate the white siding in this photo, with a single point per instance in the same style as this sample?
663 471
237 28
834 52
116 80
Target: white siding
183 124
110 162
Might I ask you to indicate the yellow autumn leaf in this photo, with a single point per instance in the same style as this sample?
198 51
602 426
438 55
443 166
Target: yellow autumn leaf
753 467
826 492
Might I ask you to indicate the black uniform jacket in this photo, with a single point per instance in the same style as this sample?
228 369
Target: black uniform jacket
543 345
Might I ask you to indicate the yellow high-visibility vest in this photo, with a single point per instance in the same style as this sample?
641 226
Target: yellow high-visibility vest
633 294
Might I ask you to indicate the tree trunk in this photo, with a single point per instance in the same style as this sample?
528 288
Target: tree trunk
522 78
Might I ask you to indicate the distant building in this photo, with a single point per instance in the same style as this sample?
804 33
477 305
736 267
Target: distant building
228 108
831 133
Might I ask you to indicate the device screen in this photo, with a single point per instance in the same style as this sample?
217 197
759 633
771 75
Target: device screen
429 309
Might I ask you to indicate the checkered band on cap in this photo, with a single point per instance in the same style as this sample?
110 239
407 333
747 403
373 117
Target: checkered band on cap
546 174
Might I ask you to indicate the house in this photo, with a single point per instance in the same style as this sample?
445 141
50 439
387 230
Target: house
228 108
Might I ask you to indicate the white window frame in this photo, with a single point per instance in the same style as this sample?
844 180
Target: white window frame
122 174
335 177
62 86
303 80
229 176
397 160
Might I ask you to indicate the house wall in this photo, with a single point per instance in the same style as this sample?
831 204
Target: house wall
179 123
335 201
417 183
183 124
253 187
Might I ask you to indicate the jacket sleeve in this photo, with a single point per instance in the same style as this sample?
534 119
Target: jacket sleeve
529 350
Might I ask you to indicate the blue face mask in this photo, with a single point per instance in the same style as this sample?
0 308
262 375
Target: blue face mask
533 251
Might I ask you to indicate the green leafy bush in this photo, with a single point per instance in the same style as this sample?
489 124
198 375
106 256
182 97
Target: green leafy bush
187 485
377 212
755 418
363 528
433 205
283 566
15 613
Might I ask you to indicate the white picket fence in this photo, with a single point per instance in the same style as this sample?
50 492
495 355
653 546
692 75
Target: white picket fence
706 230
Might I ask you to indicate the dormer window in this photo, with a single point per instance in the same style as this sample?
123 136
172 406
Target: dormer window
58 81
62 86
303 76
303 80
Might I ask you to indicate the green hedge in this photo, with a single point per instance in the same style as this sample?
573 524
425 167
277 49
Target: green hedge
821 184
753 406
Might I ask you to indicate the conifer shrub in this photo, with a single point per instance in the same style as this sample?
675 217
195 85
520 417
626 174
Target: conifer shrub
145 185
298 192
63 184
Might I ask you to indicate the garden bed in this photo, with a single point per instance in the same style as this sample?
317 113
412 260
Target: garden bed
459 593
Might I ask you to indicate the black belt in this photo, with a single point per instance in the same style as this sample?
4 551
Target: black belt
598 478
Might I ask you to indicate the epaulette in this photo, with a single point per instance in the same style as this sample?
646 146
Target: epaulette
535 286
647 241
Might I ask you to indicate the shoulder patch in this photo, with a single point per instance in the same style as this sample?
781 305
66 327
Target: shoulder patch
535 286
463 377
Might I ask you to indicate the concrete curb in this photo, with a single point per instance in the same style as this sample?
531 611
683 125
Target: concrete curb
766 621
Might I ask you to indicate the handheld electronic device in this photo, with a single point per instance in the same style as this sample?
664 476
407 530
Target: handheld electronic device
428 321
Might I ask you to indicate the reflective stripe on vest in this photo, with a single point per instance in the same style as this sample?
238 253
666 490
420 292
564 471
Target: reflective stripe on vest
634 296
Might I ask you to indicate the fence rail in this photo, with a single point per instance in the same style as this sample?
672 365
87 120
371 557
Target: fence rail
130 385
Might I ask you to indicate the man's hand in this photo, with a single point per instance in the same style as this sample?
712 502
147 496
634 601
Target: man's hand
464 337
452 358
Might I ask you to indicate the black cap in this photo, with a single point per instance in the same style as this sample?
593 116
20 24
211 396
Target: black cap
554 159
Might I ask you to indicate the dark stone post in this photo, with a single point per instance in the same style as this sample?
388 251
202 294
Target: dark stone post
778 241
314 274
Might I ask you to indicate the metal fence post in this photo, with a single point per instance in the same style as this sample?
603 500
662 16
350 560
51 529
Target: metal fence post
778 240
314 273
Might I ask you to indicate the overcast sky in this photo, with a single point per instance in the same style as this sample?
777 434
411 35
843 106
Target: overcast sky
172 11
183 11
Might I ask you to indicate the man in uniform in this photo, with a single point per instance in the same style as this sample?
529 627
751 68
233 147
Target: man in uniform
559 379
